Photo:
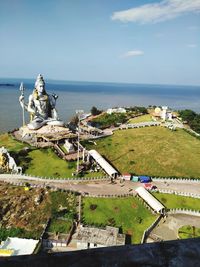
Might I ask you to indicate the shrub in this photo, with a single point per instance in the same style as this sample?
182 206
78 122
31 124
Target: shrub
93 206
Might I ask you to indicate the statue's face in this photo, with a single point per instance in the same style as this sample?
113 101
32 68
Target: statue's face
40 88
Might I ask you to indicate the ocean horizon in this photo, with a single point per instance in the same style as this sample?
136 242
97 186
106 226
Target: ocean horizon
75 95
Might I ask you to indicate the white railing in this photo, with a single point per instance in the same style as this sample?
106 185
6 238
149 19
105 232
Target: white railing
140 125
108 195
184 211
176 180
185 194
51 179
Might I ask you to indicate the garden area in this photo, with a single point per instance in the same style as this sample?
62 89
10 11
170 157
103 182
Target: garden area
109 120
188 231
153 151
63 212
129 214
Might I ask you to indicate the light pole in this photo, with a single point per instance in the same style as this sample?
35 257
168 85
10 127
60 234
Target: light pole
78 112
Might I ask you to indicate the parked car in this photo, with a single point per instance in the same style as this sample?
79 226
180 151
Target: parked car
150 186
144 179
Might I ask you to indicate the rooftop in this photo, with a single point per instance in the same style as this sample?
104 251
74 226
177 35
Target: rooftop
108 237
19 246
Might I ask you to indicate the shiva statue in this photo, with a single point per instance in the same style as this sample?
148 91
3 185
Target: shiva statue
41 106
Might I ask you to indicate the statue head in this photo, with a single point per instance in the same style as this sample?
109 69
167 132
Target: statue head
40 84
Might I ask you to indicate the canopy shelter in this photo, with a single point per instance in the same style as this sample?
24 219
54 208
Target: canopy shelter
103 163
150 200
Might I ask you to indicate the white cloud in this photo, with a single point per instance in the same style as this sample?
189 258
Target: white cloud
156 12
133 53
192 45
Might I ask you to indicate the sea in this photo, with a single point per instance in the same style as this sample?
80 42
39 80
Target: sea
83 95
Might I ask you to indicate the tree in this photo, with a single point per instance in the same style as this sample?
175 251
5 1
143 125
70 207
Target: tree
195 124
142 110
94 111
187 115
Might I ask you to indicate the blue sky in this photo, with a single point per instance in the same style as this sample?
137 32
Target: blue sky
138 41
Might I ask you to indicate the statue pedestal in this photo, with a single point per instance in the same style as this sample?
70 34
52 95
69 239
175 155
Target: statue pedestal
46 136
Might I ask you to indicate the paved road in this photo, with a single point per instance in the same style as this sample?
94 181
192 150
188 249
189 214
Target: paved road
104 187
190 187
92 188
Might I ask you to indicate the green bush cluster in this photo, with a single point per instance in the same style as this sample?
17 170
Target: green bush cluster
18 232
192 118
108 120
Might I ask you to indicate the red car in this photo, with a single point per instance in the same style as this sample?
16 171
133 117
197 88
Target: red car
150 186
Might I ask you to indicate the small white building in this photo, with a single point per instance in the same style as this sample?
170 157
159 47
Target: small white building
164 113
116 110
126 176
68 146
14 246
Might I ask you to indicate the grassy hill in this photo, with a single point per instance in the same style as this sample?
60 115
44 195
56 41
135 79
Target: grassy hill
154 151
143 118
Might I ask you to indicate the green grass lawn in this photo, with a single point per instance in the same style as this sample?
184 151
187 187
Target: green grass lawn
188 231
11 144
44 162
154 151
142 118
127 213
173 201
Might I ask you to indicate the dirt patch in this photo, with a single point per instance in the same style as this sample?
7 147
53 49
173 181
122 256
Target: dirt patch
129 232
134 205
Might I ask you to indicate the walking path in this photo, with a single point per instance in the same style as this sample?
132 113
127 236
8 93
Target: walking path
167 229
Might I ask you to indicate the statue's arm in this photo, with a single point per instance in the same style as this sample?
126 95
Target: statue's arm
31 106
22 103
54 112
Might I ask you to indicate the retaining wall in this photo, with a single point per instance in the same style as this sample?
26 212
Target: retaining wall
150 228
